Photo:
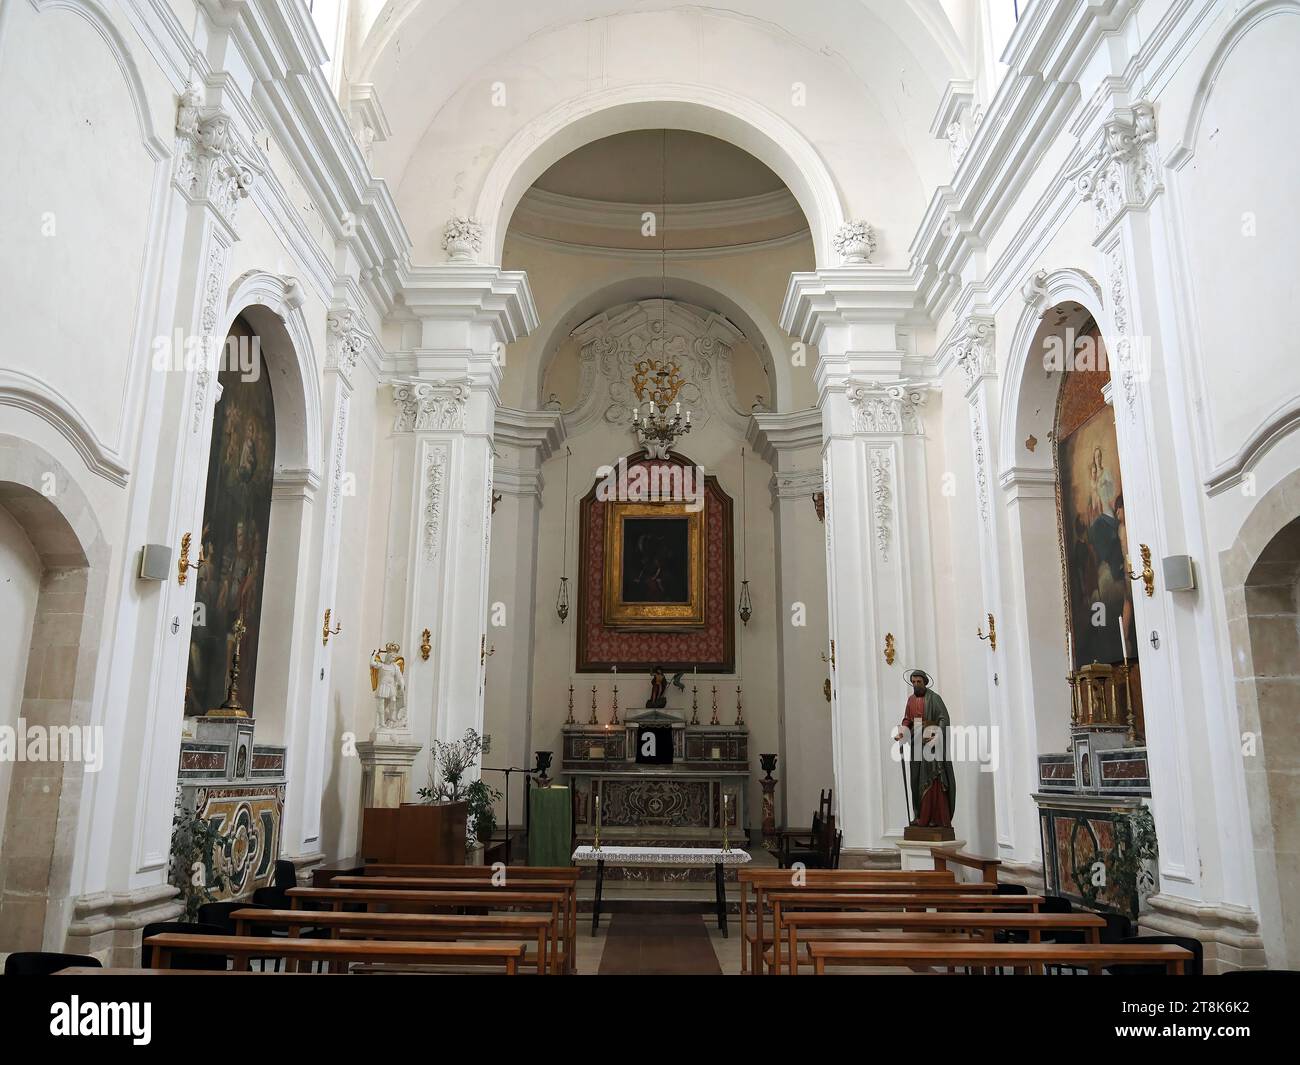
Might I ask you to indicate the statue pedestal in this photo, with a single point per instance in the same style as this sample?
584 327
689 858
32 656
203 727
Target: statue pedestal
386 760
917 854
768 784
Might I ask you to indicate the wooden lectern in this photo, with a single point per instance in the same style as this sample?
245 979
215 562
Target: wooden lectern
415 834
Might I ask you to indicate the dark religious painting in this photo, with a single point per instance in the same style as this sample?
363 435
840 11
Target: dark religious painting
1093 534
655 584
236 516
656 563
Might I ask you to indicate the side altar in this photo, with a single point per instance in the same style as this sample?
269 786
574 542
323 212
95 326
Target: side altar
679 803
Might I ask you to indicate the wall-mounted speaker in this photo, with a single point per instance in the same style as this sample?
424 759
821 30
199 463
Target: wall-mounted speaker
1180 573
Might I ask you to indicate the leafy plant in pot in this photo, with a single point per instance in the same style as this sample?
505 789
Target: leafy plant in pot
453 761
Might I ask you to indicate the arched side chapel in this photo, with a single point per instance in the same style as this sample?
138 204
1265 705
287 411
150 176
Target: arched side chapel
860 280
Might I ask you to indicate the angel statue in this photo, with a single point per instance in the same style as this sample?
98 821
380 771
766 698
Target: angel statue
388 681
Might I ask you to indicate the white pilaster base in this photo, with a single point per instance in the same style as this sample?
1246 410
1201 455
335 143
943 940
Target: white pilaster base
1230 934
386 761
918 854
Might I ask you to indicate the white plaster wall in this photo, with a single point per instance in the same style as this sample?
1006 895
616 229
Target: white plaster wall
78 183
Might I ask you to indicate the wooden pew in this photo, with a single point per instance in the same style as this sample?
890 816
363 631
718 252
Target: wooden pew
485 872
988 867
823 927
762 892
1028 956
406 926
760 878
567 884
244 948
417 900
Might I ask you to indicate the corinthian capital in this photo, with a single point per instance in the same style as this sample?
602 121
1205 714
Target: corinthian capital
892 408
1123 172
424 405
213 165
973 348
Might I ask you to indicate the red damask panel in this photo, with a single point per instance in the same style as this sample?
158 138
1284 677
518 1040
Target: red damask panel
711 648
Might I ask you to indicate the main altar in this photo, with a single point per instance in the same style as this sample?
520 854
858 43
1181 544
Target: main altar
682 803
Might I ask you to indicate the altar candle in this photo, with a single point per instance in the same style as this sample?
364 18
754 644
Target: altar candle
1069 652
679 408
688 417
597 814
1123 644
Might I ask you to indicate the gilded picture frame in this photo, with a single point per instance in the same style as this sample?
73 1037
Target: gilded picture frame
654 575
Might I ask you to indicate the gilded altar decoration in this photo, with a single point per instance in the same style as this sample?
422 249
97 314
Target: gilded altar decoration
991 635
326 632
425 645
183 564
232 707
654 565
1146 574
889 649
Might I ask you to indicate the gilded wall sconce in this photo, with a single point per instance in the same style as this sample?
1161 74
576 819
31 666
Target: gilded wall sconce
326 632
1146 575
889 649
183 564
425 645
991 636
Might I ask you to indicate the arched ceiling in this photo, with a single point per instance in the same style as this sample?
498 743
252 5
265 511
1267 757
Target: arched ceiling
419 53
646 165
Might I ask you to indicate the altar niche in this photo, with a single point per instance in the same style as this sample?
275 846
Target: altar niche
236 521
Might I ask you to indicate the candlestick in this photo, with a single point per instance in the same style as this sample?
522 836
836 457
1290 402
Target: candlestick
596 846
1123 644
740 715
726 806
714 721
569 720
594 720
614 720
695 705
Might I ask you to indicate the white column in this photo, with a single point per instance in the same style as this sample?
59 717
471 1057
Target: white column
440 516
791 444
1015 778
879 566
124 835
308 758
1198 798
524 441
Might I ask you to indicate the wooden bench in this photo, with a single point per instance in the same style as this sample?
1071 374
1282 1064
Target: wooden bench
484 872
1027 956
243 948
406 926
827 927
763 893
442 882
988 867
760 879
417 900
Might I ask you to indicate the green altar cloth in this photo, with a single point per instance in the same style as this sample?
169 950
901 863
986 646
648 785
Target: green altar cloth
550 828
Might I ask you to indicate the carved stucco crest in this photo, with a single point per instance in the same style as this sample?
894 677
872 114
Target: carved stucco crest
886 408
425 405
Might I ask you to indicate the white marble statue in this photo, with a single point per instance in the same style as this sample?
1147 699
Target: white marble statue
388 680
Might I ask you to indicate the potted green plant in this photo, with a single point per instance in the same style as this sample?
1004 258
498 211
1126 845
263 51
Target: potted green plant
195 869
453 761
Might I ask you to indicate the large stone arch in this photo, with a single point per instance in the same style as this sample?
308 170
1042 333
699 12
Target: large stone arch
697 108
38 836
1260 573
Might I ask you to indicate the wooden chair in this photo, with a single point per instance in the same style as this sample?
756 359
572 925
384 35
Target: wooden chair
823 853
46 963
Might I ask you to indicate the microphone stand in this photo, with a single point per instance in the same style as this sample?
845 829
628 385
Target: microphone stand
513 769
